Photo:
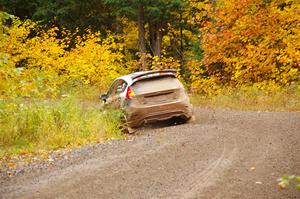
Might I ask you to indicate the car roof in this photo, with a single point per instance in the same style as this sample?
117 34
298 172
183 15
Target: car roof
130 77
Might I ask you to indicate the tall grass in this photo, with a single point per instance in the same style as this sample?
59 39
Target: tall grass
252 98
47 125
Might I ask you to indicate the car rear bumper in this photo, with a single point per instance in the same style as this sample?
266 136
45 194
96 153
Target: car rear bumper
136 116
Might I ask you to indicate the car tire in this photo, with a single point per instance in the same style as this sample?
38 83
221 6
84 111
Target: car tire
131 130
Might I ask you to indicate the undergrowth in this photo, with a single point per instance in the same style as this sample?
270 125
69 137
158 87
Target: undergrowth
251 98
30 126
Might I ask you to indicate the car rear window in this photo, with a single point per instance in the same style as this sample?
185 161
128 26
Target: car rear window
156 84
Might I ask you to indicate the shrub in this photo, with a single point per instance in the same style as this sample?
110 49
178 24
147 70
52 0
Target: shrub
36 62
250 41
35 125
255 97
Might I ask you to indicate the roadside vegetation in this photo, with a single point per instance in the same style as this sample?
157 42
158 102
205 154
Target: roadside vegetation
41 125
53 66
289 180
251 98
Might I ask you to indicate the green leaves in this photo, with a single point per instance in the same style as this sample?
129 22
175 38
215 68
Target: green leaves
287 180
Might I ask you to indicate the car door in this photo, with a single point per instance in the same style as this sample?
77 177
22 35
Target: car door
111 95
114 94
122 85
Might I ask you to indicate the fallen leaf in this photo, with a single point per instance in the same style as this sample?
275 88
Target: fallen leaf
11 165
281 185
252 168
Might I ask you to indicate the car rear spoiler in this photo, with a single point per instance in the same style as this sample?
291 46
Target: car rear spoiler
155 73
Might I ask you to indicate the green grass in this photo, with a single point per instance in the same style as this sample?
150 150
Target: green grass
251 99
31 126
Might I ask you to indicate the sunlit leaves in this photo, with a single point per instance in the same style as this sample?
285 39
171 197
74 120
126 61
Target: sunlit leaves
250 41
37 62
287 180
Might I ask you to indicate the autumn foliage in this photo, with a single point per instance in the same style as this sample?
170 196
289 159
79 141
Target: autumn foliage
249 42
36 62
236 44
242 54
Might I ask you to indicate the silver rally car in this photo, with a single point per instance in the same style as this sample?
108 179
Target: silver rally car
149 96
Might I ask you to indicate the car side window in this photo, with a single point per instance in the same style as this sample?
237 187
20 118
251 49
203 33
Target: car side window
117 87
113 89
121 86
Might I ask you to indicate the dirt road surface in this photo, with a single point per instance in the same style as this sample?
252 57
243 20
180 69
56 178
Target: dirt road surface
222 154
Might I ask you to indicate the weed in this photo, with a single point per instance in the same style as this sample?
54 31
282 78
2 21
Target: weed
252 98
47 125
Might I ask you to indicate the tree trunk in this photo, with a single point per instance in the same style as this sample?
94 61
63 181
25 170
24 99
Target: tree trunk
181 43
156 34
157 42
141 32
152 37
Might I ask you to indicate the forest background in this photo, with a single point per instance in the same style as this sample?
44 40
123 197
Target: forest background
56 57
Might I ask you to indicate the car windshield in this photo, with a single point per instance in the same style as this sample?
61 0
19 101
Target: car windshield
156 84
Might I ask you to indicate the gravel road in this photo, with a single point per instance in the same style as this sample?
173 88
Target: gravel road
222 154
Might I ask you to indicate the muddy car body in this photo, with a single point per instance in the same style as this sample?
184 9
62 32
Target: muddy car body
149 96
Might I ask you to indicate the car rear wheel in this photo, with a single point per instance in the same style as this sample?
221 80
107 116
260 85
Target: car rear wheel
131 130
184 119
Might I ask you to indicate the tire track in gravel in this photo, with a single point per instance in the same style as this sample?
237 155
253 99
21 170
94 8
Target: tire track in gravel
210 173
207 158
66 176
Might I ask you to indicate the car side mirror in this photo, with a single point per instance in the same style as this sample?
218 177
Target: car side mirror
103 97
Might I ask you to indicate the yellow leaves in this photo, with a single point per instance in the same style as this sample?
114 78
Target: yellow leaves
130 33
47 60
248 43
11 165
164 62
200 6
293 71
93 62
201 84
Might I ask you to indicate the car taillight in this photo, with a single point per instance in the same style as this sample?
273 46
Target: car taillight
129 93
